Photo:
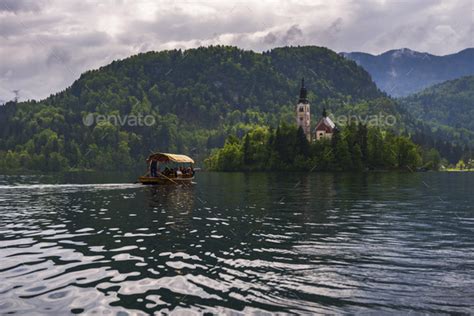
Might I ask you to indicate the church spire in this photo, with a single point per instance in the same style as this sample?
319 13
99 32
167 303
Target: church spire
303 116
303 93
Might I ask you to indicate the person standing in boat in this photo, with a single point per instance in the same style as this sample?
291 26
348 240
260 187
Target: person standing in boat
153 168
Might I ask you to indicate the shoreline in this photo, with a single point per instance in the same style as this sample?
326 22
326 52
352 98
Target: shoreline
89 171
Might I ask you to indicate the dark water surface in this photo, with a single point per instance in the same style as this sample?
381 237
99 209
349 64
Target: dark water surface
291 243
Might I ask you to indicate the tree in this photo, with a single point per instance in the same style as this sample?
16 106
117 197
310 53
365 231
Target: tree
302 144
461 165
246 150
407 153
431 159
362 140
357 159
375 149
342 155
229 158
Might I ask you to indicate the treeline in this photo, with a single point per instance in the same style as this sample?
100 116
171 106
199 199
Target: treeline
197 98
353 148
452 151
447 109
44 138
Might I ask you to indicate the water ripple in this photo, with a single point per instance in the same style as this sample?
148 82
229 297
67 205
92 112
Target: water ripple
333 244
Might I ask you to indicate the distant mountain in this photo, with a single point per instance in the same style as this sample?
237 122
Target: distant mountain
402 72
447 107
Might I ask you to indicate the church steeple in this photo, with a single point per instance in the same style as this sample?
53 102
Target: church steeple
303 93
303 117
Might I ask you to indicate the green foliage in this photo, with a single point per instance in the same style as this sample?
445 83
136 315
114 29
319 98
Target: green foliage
407 153
228 158
353 148
431 159
450 103
446 108
461 165
197 98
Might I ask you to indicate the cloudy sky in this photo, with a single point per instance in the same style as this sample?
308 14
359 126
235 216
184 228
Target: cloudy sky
46 44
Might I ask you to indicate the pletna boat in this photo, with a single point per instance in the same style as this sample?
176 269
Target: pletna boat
165 168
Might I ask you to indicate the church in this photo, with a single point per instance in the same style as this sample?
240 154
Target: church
325 127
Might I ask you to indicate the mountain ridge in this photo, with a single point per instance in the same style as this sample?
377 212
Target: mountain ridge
401 72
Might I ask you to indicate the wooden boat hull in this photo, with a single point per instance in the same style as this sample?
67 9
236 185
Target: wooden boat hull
165 181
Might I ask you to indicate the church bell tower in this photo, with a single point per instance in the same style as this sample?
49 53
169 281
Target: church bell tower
302 112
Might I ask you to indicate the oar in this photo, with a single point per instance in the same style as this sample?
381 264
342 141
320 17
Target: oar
169 178
161 175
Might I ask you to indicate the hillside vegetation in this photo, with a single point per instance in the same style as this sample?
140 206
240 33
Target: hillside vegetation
196 97
446 109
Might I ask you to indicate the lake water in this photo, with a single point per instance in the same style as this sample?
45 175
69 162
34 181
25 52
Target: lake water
291 243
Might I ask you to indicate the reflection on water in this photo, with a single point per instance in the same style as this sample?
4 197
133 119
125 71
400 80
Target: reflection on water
324 243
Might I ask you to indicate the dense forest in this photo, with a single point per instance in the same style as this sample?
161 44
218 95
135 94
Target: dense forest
197 99
352 148
446 108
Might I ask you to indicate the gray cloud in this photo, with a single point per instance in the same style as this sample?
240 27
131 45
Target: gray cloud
270 39
58 55
47 44
17 6
292 35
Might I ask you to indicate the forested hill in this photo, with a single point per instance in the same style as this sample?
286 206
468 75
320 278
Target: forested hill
448 108
197 98
401 72
203 85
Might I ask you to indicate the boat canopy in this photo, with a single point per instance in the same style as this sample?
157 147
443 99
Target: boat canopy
165 157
